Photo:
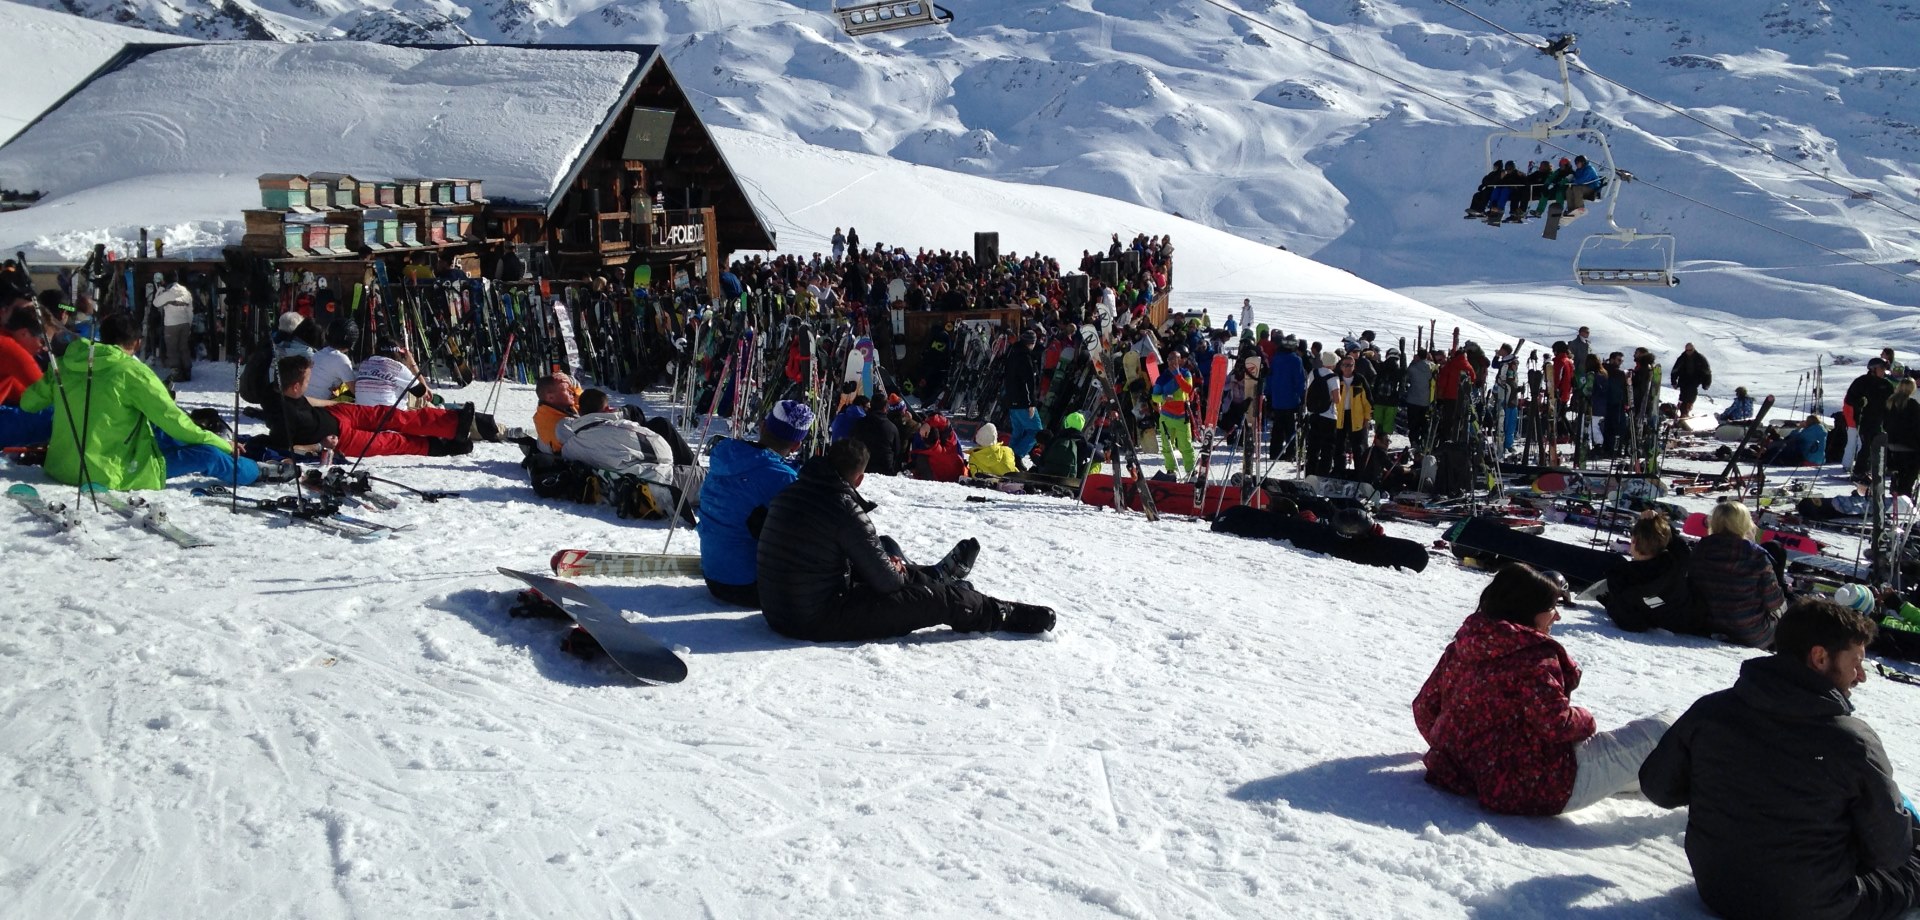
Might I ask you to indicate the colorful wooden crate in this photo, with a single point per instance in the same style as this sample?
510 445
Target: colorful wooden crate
341 189
283 192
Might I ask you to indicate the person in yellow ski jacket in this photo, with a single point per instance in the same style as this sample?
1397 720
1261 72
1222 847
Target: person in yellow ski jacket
1352 410
991 458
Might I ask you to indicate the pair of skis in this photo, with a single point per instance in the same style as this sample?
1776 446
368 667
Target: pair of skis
144 514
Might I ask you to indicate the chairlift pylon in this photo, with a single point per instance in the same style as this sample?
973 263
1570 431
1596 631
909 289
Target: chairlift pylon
1587 268
873 16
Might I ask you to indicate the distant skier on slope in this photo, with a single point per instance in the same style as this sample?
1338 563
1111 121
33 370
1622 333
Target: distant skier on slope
825 575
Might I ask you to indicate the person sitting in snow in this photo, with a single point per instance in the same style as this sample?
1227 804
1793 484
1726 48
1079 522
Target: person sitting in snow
1650 589
882 437
1792 807
22 346
742 479
611 439
990 457
1807 446
936 452
117 402
1068 455
1738 580
827 576
1498 719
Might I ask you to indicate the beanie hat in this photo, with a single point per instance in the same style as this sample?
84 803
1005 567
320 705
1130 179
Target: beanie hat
788 421
290 321
1074 421
986 434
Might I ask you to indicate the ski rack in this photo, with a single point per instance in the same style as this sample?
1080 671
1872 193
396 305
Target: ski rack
1586 269
859 19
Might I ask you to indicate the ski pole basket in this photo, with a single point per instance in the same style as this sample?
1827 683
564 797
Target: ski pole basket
888 15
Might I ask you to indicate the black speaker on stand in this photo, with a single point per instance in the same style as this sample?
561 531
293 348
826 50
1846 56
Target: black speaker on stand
986 248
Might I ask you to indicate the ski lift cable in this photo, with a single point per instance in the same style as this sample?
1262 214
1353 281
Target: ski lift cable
1851 191
1249 17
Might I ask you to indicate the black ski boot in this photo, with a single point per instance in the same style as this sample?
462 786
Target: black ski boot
485 428
448 447
1027 618
959 560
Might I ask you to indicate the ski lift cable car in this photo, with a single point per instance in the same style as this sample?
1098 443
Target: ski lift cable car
1591 262
871 16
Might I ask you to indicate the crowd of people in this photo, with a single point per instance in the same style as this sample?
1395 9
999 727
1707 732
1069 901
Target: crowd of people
795 540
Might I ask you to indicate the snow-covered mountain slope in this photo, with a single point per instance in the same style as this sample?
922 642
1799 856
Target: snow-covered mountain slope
47 54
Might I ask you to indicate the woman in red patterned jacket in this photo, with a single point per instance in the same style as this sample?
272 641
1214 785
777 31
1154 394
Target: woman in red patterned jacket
1496 714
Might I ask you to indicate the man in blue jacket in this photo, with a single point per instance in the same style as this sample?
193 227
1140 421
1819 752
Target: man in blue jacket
742 479
1583 186
1286 389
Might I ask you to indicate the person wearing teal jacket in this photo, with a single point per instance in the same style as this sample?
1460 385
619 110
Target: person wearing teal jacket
115 406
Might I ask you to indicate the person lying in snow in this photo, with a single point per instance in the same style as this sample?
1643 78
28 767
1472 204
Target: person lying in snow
559 400
1497 716
825 575
610 439
304 425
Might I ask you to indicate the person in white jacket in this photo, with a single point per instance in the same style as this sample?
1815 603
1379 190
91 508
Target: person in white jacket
175 304
606 439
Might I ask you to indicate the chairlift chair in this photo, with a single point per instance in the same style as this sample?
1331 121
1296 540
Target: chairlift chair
1595 264
888 15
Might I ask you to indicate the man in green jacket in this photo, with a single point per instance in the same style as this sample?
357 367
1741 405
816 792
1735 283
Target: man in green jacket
114 406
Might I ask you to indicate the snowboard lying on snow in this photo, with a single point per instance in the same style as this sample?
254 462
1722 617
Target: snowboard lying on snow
1480 538
1318 537
630 647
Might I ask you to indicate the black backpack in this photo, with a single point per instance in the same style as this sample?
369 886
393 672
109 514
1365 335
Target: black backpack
1319 396
564 479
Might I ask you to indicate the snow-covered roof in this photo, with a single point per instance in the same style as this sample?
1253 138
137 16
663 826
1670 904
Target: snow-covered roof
48 54
515 117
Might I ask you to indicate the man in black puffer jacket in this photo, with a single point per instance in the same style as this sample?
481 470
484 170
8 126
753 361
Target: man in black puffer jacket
1793 808
827 576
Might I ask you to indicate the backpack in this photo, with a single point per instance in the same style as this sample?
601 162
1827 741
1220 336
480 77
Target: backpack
553 477
1319 396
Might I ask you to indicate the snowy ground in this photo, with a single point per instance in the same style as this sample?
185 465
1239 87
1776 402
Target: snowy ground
290 724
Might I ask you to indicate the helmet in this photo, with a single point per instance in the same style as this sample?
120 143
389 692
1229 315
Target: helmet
1855 597
1353 522
1074 421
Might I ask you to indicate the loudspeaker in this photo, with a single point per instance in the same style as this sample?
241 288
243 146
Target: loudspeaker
1076 287
1130 263
1110 273
986 248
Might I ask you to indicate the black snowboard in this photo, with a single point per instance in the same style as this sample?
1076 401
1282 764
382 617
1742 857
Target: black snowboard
1317 537
626 643
1581 565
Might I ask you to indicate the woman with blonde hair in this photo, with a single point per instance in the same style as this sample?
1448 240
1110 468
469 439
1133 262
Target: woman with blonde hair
1736 579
